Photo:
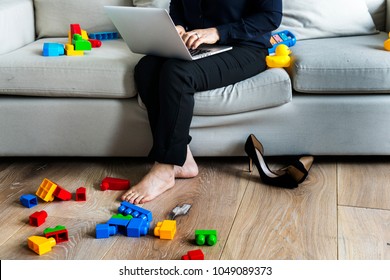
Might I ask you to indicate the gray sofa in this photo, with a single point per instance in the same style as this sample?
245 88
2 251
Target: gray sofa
333 100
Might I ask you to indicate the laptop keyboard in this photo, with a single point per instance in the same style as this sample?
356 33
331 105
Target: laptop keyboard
198 51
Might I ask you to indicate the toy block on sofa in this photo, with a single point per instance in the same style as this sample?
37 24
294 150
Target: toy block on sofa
62 194
53 49
95 43
114 184
120 222
137 227
75 29
37 218
126 208
81 194
40 244
80 44
70 51
59 233
29 200
194 255
46 190
203 236
165 229
105 230
104 35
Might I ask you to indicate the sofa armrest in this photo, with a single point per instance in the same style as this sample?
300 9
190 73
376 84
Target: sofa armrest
17 27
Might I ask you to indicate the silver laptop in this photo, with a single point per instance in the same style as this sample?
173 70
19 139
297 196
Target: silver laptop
152 31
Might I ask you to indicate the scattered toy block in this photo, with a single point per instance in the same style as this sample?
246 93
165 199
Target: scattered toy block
29 200
165 229
46 190
114 184
62 194
194 255
80 44
81 194
38 218
40 244
53 49
75 29
120 222
59 233
95 43
137 227
208 237
104 35
126 208
105 231
70 51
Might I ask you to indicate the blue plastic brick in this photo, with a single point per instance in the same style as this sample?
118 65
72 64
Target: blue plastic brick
29 200
53 49
105 230
104 36
119 223
137 227
127 208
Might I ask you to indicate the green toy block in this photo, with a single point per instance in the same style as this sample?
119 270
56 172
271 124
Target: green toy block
203 236
121 216
57 228
80 44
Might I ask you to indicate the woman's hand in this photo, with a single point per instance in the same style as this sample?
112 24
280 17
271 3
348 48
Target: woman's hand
180 29
196 37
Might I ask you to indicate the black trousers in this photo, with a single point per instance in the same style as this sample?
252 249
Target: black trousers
167 88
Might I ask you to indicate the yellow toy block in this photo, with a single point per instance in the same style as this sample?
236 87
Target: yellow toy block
46 190
40 244
69 50
84 35
165 229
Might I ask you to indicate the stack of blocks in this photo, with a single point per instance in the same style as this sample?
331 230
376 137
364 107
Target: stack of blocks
131 220
44 244
78 42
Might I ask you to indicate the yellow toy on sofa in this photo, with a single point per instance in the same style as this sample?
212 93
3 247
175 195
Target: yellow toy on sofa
387 44
281 58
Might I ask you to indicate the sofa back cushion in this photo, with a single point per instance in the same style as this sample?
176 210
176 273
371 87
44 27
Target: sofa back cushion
53 17
309 19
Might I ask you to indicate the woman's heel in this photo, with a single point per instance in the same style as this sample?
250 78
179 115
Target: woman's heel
250 166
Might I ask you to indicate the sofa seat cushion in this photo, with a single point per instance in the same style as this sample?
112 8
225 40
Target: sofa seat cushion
270 88
357 64
105 72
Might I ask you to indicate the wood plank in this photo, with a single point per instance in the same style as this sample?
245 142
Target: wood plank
215 195
364 234
276 223
364 183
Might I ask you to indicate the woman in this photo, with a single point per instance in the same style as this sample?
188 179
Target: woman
167 86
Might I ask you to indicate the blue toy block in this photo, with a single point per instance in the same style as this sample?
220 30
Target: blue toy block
29 200
127 208
105 231
53 49
137 227
104 36
120 222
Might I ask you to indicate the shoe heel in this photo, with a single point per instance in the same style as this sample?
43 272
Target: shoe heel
250 166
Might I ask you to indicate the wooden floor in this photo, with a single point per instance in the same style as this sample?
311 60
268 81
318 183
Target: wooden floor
342 210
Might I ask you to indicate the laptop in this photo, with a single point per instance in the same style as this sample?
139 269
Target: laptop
152 31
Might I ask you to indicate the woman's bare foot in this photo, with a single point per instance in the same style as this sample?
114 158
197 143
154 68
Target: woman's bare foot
159 179
189 169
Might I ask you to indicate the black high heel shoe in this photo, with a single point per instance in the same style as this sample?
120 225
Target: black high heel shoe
288 177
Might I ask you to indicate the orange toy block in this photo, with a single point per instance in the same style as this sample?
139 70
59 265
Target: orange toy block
69 50
40 244
165 229
46 190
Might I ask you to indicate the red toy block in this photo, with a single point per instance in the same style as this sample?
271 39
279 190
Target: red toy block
193 255
59 233
38 218
81 194
75 29
95 43
114 184
62 194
